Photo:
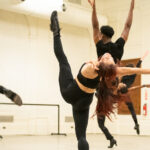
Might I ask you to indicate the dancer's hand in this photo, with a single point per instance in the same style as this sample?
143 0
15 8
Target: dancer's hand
132 4
143 57
92 3
146 85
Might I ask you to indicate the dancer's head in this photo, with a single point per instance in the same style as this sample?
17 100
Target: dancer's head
122 89
107 31
107 67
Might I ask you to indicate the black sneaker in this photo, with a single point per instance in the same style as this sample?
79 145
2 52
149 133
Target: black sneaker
13 96
54 26
137 128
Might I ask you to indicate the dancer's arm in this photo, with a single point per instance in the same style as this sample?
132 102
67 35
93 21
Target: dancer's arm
94 64
128 71
123 89
129 79
139 63
142 58
95 23
139 86
128 22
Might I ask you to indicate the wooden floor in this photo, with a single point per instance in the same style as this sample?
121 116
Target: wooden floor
96 141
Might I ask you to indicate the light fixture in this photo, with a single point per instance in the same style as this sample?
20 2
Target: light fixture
43 5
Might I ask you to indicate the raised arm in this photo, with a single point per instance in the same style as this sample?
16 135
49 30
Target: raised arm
95 23
128 22
142 58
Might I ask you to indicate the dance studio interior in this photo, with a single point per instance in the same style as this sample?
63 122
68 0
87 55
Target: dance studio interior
29 68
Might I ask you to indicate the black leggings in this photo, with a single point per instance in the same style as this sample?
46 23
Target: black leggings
101 124
71 93
2 89
132 111
101 121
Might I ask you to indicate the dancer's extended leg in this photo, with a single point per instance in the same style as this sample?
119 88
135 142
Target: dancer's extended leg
65 74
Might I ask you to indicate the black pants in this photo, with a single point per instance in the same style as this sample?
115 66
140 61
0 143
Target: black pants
71 93
101 124
2 89
101 121
132 111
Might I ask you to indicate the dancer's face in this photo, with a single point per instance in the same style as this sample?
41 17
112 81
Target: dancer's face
107 59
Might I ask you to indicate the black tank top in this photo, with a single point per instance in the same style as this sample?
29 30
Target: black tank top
90 83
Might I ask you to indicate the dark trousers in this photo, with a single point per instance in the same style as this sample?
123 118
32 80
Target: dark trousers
2 89
132 111
101 124
67 89
101 121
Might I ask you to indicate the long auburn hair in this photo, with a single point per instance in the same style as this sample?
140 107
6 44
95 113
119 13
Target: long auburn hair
107 101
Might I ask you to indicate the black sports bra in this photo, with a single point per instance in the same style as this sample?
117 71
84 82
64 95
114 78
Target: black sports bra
90 83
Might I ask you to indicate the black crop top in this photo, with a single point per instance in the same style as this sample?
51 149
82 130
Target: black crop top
90 83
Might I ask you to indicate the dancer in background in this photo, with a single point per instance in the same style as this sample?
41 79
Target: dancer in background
103 36
128 80
15 98
104 44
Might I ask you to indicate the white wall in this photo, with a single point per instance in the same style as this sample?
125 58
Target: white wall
29 67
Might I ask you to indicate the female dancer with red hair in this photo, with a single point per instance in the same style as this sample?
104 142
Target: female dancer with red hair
79 91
